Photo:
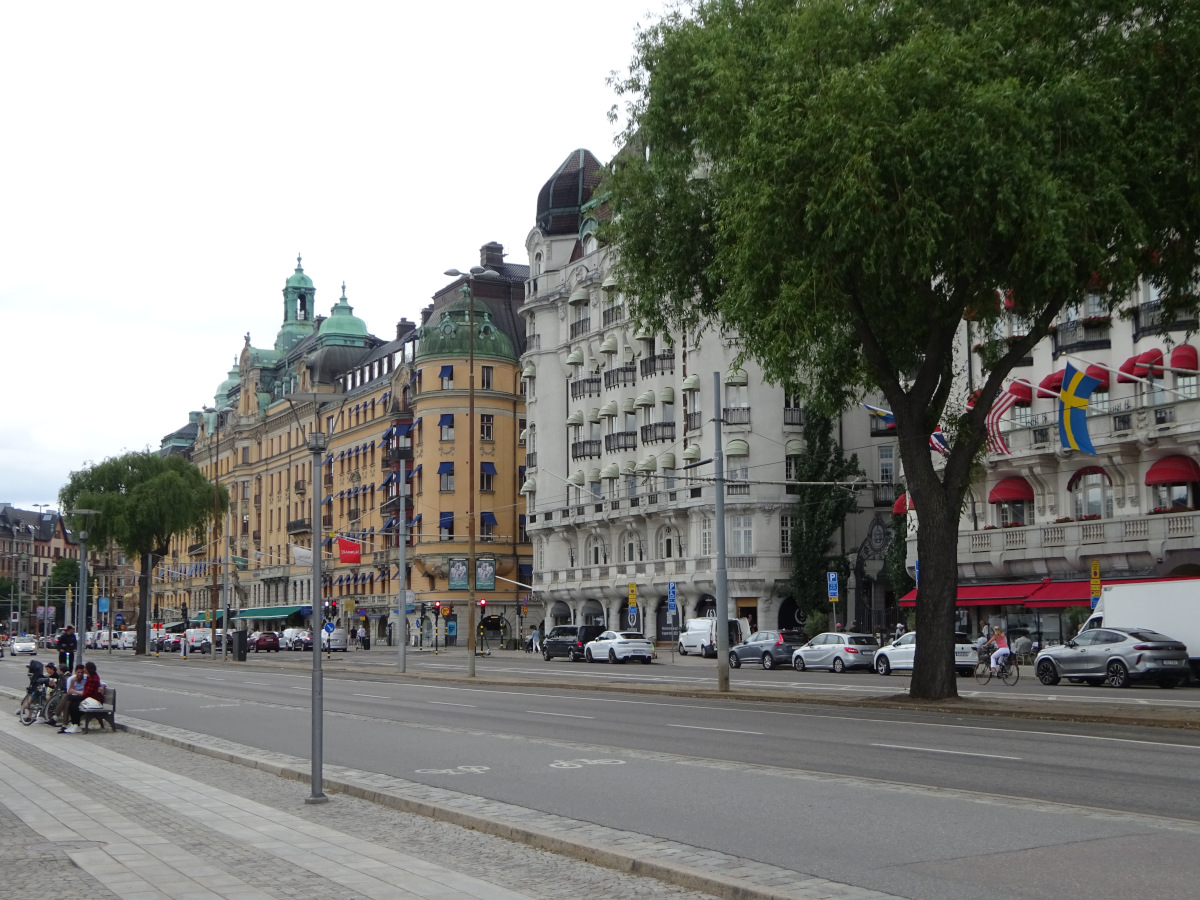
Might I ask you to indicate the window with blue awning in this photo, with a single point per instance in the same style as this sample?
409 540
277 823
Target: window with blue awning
403 428
327 542
487 518
391 477
524 570
416 469
446 520
387 434
342 455
487 468
328 500
416 520
446 419
329 460
447 372
446 468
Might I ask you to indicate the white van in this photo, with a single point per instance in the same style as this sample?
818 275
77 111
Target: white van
200 640
335 641
700 635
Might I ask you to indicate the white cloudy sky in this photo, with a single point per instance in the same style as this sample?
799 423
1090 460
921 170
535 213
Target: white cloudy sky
165 162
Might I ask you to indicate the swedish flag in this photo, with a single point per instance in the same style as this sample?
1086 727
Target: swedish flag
1072 410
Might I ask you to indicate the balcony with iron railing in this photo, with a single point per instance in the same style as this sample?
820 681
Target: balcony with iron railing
300 526
327 479
584 449
737 489
580 327
585 387
621 376
693 421
793 416
620 440
256 536
300 487
658 431
1111 423
884 495
1081 335
614 314
397 454
736 415
658 364
327 521
389 506
1148 320
258 499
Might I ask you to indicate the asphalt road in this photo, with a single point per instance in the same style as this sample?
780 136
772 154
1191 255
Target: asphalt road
915 804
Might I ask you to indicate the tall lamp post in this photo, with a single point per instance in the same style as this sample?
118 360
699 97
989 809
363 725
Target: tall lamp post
40 628
81 603
215 457
469 290
316 442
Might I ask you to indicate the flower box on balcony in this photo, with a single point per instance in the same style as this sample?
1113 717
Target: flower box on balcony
1062 520
1088 518
1013 525
1160 510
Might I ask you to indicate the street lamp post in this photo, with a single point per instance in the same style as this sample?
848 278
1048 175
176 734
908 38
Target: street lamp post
469 289
317 441
81 603
215 458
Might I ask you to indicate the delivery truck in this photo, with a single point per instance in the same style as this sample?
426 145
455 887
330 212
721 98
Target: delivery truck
1170 606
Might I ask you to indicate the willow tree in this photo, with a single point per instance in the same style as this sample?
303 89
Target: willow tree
842 184
143 500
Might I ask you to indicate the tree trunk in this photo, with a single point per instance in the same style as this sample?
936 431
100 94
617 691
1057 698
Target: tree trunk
937 590
139 643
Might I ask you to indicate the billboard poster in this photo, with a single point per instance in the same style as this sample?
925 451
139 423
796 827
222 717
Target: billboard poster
458 574
485 574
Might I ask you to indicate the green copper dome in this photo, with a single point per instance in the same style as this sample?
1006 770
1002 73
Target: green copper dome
299 279
342 322
223 389
448 335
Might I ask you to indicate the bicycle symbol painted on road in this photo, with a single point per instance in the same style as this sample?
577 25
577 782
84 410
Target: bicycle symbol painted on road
457 770
580 763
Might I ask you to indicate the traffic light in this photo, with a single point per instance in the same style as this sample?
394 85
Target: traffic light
422 609
483 602
437 607
333 608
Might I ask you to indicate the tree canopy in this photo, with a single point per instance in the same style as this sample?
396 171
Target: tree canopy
843 184
143 501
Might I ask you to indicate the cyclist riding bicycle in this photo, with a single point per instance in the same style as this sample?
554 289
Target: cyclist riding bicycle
1000 642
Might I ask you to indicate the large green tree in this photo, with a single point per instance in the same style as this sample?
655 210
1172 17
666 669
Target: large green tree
844 183
143 501
820 511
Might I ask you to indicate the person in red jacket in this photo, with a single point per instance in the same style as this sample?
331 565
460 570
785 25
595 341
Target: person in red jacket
92 690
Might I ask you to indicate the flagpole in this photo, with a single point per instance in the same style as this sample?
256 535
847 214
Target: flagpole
1147 381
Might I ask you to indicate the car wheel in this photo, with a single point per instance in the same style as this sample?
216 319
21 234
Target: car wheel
546 655
588 655
768 661
734 662
839 666
682 651
882 666
1047 673
1116 674
798 663
612 657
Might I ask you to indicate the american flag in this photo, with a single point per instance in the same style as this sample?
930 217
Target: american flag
1003 404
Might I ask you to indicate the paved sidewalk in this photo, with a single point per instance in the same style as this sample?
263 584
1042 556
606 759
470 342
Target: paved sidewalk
136 831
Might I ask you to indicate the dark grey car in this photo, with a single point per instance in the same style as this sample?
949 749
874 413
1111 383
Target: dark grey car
1116 657
569 641
766 647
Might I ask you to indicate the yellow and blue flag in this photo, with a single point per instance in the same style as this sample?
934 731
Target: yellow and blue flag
1072 410
884 415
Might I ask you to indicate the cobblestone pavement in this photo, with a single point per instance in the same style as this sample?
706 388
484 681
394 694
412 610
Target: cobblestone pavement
78 813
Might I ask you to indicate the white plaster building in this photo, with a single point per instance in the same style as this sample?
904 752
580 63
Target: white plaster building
615 417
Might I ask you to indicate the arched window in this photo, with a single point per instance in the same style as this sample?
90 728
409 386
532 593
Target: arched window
631 547
597 553
1091 493
665 542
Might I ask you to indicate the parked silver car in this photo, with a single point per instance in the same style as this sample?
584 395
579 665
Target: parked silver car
1116 657
836 652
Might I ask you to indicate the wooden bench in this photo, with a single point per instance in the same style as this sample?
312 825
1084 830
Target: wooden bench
105 713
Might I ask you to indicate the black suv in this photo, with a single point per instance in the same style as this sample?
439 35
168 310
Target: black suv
569 640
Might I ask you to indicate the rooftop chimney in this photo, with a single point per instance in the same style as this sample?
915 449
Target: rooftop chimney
491 255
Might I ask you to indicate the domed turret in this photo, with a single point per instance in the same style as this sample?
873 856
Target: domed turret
342 321
447 333
233 380
569 189
298 297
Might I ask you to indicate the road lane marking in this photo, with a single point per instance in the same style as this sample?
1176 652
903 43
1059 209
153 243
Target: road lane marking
372 696
538 712
951 752
444 703
703 728
258 683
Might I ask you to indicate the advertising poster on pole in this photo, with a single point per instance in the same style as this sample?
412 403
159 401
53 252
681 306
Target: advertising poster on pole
485 574
458 573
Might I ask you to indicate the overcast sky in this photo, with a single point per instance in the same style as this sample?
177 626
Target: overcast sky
164 164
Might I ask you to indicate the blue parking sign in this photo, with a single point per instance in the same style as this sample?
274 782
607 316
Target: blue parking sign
670 596
833 585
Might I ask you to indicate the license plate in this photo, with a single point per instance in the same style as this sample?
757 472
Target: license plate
1172 662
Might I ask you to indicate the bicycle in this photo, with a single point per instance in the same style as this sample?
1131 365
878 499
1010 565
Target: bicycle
1007 671
35 707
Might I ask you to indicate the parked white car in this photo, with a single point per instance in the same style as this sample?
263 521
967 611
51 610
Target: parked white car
335 641
837 652
124 640
618 646
899 654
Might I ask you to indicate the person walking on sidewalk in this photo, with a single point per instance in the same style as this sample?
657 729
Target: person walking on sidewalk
362 637
535 642
67 644
92 692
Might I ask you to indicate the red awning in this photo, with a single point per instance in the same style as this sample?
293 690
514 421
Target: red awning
1051 385
902 505
1022 390
1100 374
1184 357
985 594
1126 370
1087 470
1079 593
1149 364
1007 489
1173 470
